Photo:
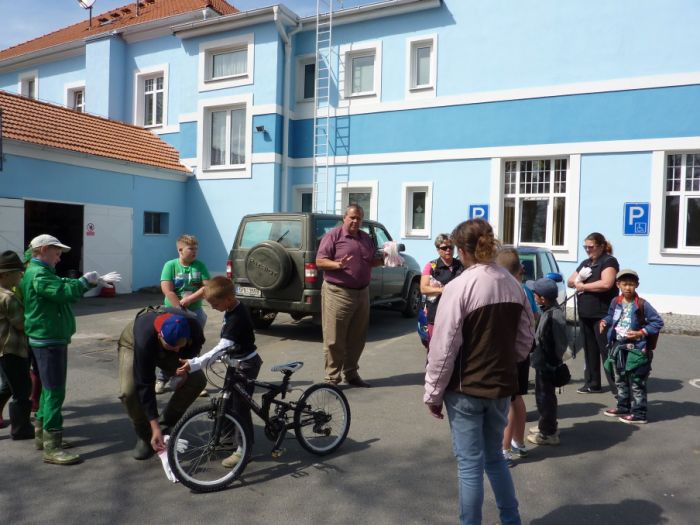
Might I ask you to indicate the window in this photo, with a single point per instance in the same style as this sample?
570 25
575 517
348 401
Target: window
78 103
306 78
226 63
361 71
534 204
307 202
363 194
417 210
29 84
681 216
155 223
153 101
422 64
151 97
227 144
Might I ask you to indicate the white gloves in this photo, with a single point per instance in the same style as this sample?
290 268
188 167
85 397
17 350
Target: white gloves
92 278
584 274
111 278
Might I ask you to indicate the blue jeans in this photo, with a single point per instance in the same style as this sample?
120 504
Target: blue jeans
477 432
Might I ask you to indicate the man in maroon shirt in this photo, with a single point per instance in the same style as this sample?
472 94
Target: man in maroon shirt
346 255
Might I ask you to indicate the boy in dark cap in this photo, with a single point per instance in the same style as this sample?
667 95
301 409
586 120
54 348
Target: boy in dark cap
550 345
633 325
156 339
14 356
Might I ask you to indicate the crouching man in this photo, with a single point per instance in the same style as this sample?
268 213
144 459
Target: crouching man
157 340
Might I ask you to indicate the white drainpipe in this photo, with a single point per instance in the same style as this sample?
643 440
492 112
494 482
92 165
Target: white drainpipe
286 86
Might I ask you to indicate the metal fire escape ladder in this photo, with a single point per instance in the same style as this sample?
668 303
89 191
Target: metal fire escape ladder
323 182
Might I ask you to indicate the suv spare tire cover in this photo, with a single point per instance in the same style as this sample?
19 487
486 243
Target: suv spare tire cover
268 266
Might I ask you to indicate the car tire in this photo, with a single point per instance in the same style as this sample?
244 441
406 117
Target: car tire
268 266
412 301
262 319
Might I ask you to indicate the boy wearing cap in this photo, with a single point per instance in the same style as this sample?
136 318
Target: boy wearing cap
550 345
630 321
49 324
156 339
14 356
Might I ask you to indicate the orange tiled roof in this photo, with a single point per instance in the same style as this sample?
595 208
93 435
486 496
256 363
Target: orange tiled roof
36 122
149 10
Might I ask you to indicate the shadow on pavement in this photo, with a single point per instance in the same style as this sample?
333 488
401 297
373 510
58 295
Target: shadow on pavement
639 512
669 410
656 384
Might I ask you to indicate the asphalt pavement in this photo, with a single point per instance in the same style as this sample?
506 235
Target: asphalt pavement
396 467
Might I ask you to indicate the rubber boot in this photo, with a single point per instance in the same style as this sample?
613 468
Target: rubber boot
53 453
39 436
143 449
21 426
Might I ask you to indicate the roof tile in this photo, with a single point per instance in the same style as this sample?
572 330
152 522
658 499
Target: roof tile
116 19
36 122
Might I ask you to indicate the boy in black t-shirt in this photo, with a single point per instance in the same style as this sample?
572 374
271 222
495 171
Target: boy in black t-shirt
237 329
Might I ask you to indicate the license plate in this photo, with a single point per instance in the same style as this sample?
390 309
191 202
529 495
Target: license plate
248 291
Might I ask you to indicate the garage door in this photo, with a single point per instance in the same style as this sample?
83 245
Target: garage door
12 225
107 242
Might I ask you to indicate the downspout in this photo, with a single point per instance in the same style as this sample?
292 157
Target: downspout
286 86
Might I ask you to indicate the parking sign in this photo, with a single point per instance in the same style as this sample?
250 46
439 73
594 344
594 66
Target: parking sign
479 211
636 218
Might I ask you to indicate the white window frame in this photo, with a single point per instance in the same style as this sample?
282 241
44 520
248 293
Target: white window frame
566 252
371 186
69 91
657 253
208 49
205 109
140 77
299 190
302 62
347 54
23 82
407 191
412 45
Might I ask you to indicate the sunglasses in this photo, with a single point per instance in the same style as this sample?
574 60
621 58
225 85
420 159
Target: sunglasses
446 248
593 247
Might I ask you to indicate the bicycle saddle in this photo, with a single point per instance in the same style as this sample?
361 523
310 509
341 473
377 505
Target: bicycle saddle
292 366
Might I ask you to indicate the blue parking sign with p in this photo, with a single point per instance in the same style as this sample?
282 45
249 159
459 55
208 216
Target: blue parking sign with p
479 211
636 217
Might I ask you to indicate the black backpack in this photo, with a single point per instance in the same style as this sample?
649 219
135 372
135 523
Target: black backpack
652 340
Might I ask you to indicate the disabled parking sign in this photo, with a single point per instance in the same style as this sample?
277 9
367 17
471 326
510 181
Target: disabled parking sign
636 218
479 211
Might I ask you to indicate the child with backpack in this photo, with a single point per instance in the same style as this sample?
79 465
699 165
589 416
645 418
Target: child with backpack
550 345
633 326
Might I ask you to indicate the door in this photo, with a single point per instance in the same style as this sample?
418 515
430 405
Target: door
107 242
12 226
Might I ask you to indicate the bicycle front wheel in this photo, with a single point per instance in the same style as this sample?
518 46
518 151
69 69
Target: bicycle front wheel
196 455
322 419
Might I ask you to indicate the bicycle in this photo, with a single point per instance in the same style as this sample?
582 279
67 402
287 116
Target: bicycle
206 435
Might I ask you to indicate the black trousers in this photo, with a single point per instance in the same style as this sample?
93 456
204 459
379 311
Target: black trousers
546 399
16 384
595 352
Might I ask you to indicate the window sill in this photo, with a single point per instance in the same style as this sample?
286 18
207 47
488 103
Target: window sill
421 89
227 78
225 172
368 94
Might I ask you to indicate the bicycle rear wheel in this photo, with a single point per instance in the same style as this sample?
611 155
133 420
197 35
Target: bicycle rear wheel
322 419
196 460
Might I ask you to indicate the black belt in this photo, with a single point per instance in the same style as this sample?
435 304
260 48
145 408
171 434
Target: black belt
348 287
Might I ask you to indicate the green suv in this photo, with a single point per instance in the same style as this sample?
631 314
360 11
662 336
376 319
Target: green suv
273 267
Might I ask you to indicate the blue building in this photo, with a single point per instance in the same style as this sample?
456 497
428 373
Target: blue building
551 119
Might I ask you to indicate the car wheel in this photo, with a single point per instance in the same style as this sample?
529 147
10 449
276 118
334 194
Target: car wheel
262 319
268 266
412 302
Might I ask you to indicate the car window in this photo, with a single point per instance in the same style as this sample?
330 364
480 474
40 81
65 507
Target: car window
553 262
287 232
323 226
544 266
382 236
528 262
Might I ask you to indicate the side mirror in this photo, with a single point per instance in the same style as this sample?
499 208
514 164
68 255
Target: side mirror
402 247
556 277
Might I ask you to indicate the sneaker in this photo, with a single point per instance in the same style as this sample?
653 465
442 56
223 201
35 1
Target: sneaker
631 419
160 387
508 456
518 450
542 439
232 460
533 430
615 412
589 390
204 393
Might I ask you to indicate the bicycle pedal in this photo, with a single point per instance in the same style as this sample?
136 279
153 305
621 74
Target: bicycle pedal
278 453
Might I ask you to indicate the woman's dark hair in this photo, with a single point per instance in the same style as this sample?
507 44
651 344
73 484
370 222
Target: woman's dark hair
600 240
475 237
